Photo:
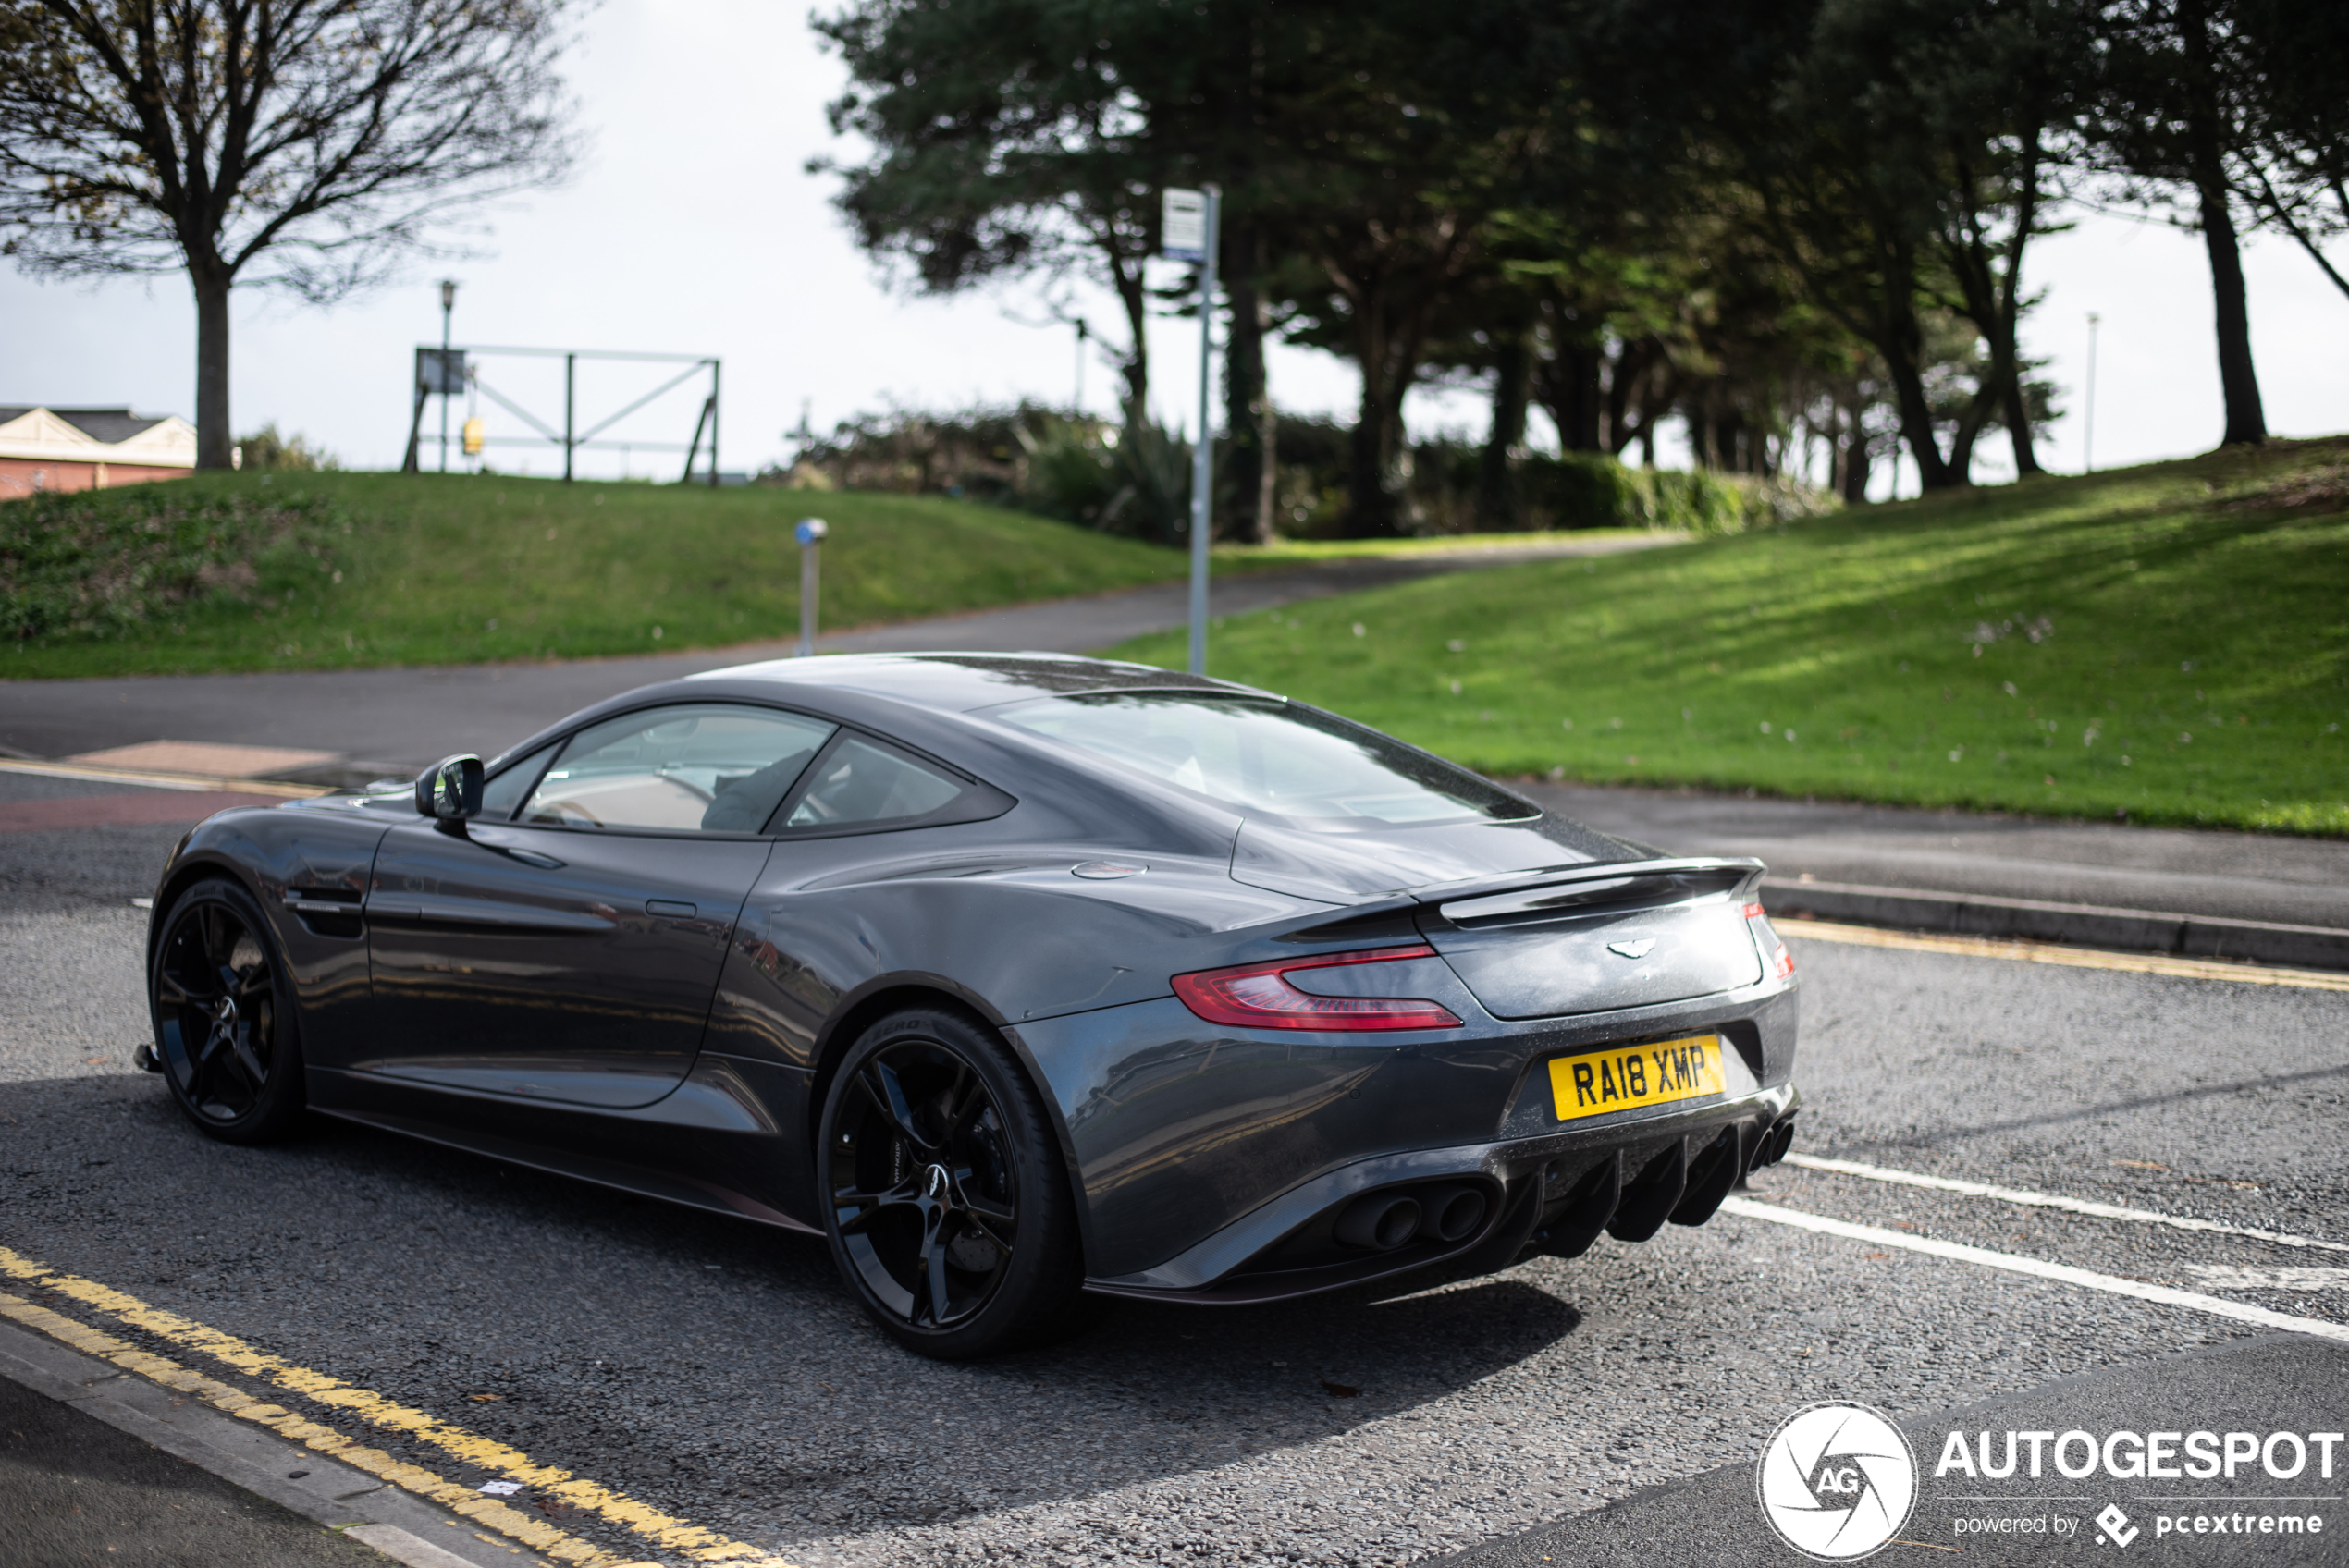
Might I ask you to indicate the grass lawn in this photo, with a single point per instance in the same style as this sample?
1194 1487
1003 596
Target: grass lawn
2167 643
306 571
332 570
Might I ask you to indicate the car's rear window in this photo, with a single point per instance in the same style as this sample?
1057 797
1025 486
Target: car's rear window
1261 755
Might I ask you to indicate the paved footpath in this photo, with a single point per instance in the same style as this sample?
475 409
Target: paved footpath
2229 876
405 718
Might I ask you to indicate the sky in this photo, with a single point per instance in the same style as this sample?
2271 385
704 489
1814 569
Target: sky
694 228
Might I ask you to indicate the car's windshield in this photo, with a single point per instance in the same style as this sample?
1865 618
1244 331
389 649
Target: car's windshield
1261 754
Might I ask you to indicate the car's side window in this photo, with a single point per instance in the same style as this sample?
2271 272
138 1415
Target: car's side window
504 793
716 767
860 782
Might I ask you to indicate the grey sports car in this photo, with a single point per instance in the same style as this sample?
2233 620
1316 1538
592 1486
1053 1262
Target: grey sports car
1016 978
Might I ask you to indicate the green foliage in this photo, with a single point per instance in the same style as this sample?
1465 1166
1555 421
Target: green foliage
1134 481
118 564
262 571
1586 490
266 450
1073 472
2167 643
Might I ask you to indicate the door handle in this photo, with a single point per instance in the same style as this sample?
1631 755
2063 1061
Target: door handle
670 908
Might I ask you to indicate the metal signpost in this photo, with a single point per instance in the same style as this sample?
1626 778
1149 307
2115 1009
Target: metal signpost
1187 233
810 534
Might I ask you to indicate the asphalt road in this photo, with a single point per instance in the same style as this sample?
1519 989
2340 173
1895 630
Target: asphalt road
719 1373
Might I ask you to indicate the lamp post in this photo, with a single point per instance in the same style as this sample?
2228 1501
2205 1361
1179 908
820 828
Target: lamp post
448 305
810 533
2088 418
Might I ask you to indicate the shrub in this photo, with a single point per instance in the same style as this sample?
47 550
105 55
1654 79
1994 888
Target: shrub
265 448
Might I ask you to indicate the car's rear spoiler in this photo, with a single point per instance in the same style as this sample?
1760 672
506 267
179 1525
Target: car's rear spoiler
1598 881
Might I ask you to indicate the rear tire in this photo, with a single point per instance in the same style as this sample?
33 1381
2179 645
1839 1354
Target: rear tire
945 1198
222 1006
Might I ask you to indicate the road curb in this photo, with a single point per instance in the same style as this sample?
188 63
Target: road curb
1972 914
313 1485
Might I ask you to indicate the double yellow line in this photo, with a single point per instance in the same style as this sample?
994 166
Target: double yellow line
655 1528
2024 951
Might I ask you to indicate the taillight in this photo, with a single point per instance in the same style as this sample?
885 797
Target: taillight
1774 953
1258 995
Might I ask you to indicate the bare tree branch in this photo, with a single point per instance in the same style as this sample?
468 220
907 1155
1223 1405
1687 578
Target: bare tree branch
312 145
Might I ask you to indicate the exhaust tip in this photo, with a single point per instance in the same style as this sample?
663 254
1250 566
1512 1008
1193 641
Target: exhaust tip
1771 1145
1451 1214
1379 1222
143 1057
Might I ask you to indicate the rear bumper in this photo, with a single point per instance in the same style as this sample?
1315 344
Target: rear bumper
1556 1193
1195 1149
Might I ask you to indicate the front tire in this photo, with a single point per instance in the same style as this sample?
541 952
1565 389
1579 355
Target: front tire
223 1008
945 1198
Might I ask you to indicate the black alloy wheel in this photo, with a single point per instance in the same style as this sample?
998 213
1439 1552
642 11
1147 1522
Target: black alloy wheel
224 1030
947 1204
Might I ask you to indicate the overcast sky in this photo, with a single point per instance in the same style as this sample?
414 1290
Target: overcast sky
693 227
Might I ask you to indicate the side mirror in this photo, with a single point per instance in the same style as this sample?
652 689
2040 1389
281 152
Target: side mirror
450 789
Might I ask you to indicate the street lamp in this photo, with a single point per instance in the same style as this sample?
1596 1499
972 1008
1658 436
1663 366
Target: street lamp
448 305
2088 418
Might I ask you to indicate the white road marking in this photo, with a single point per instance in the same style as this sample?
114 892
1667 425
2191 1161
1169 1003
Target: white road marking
2237 1276
2216 1306
2049 1200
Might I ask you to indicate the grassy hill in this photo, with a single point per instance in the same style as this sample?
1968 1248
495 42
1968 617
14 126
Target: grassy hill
2167 643
298 570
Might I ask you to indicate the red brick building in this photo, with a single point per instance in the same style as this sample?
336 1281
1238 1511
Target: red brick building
90 448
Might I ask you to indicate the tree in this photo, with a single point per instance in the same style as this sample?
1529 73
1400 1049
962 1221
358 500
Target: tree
1891 154
304 144
2000 94
1007 142
2181 101
1403 131
1032 139
2293 170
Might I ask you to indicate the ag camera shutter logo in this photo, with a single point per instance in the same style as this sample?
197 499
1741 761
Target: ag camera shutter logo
1837 1481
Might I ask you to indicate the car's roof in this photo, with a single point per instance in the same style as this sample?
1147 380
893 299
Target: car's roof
961 683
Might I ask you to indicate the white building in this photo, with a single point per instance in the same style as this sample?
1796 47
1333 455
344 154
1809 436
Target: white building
90 448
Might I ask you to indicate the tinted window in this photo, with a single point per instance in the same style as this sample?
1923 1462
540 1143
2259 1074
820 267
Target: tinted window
504 793
861 782
1261 754
702 767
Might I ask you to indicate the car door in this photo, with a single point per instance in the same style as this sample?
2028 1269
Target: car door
564 946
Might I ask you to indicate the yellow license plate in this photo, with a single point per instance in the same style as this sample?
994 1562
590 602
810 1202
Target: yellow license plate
1637 1076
